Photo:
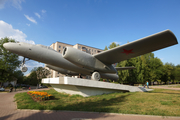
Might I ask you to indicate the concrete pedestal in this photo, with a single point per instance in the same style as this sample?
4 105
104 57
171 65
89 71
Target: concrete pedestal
87 88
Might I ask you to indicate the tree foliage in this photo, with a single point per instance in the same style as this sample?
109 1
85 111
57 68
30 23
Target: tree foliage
177 73
19 75
113 45
8 62
42 73
36 75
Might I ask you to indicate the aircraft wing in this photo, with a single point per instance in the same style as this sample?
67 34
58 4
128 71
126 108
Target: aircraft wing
139 47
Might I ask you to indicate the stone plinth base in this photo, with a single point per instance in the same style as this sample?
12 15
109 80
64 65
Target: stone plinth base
87 88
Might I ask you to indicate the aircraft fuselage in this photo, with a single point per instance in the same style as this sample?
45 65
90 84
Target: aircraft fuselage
49 56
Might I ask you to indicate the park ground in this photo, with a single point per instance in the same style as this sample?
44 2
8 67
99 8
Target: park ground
9 111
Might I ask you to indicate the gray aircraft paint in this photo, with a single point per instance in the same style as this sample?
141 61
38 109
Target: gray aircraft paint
61 70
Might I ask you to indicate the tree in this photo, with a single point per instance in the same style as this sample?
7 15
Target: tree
113 45
42 73
167 72
177 73
32 78
8 62
156 67
123 74
106 48
19 75
178 66
37 74
148 68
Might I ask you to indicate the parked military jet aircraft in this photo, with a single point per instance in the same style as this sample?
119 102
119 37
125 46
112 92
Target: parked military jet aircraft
73 61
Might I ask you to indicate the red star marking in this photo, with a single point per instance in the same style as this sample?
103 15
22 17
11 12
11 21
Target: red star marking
127 51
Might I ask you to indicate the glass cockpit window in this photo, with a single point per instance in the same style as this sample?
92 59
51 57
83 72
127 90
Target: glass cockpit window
42 45
46 47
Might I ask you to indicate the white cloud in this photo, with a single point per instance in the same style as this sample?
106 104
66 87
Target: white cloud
37 15
43 11
2 3
17 4
6 30
28 24
162 58
30 19
33 64
14 3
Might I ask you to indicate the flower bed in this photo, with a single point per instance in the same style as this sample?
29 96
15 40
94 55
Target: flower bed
39 95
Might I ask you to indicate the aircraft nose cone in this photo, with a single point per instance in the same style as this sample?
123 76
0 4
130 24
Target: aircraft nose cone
15 48
6 45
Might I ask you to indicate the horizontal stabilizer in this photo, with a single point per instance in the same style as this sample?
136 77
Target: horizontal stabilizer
124 68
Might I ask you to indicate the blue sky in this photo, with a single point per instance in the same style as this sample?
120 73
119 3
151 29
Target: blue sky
95 23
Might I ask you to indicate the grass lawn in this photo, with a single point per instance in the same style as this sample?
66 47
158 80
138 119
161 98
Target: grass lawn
158 102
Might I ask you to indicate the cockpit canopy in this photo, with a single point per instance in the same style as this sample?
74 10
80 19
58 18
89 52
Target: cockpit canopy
45 47
39 45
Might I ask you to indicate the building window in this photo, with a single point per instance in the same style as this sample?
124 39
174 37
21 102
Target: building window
79 47
59 46
84 49
63 47
59 50
58 72
92 50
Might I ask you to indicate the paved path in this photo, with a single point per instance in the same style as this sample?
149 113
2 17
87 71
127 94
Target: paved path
8 111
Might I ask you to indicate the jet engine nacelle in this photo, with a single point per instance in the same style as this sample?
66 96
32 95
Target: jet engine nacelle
85 60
